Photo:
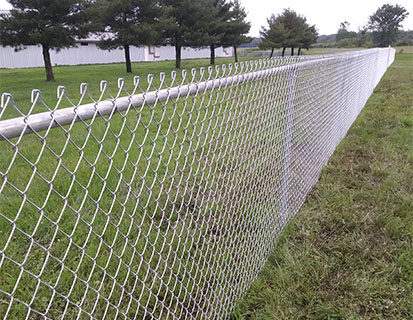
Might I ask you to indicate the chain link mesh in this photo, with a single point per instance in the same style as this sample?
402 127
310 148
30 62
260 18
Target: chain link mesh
165 202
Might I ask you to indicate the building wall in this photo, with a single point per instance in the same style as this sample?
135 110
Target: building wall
91 54
154 53
82 54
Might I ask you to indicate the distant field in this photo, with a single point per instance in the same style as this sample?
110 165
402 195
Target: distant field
404 50
349 252
261 53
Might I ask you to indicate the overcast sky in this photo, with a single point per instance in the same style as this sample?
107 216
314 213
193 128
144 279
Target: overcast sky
325 14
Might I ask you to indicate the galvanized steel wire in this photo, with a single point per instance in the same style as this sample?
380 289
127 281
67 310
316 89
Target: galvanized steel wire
164 202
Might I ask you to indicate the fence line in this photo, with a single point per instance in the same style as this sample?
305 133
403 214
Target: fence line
41 121
165 202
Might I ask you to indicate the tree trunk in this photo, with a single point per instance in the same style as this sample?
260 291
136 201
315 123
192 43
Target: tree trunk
127 59
47 63
283 53
212 49
272 52
178 56
235 54
299 51
292 51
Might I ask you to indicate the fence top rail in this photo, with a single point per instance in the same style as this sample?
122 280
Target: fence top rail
258 69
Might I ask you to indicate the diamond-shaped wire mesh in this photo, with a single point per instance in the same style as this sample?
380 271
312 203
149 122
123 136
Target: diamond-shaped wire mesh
165 202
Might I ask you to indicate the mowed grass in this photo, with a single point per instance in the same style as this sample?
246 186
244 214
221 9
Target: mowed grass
114 229
349 252
404 49
20 82
113 213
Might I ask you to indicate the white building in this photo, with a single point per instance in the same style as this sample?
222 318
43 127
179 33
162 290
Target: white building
86 51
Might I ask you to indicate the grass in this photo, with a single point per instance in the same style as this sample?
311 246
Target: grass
349 252
132 226
404 49
129 205
20 82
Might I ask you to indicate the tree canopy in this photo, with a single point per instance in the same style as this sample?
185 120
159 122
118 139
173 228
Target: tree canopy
287 30
218 26
126 23
236 28
274 36
385 23
201 23
344 33
53 24
187 24
228 27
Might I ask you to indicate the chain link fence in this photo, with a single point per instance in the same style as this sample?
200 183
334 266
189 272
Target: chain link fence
165 201
256 53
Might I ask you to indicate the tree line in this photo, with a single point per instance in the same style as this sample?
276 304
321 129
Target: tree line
382 29
56 24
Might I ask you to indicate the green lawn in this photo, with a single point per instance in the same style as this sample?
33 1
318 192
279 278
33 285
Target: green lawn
349 252
135 199
121 199
20 82
111 200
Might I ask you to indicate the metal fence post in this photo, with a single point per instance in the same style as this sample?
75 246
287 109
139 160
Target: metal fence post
288 132
388 55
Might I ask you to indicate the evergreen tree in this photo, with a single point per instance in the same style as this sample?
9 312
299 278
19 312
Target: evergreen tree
126 23
274 36
308 37
236 28
53 24
288 30
187 24
218 26
296 26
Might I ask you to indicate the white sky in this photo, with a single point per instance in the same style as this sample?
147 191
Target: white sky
326 15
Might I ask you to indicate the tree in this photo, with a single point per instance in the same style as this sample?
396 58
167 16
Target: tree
126 23
344 25
53 24
300 33
236 28
274 36
344 33
364 38
308 37
288 30
228 27
220 15
187 24
385 23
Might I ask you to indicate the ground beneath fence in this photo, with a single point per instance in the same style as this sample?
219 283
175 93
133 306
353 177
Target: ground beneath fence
349 252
